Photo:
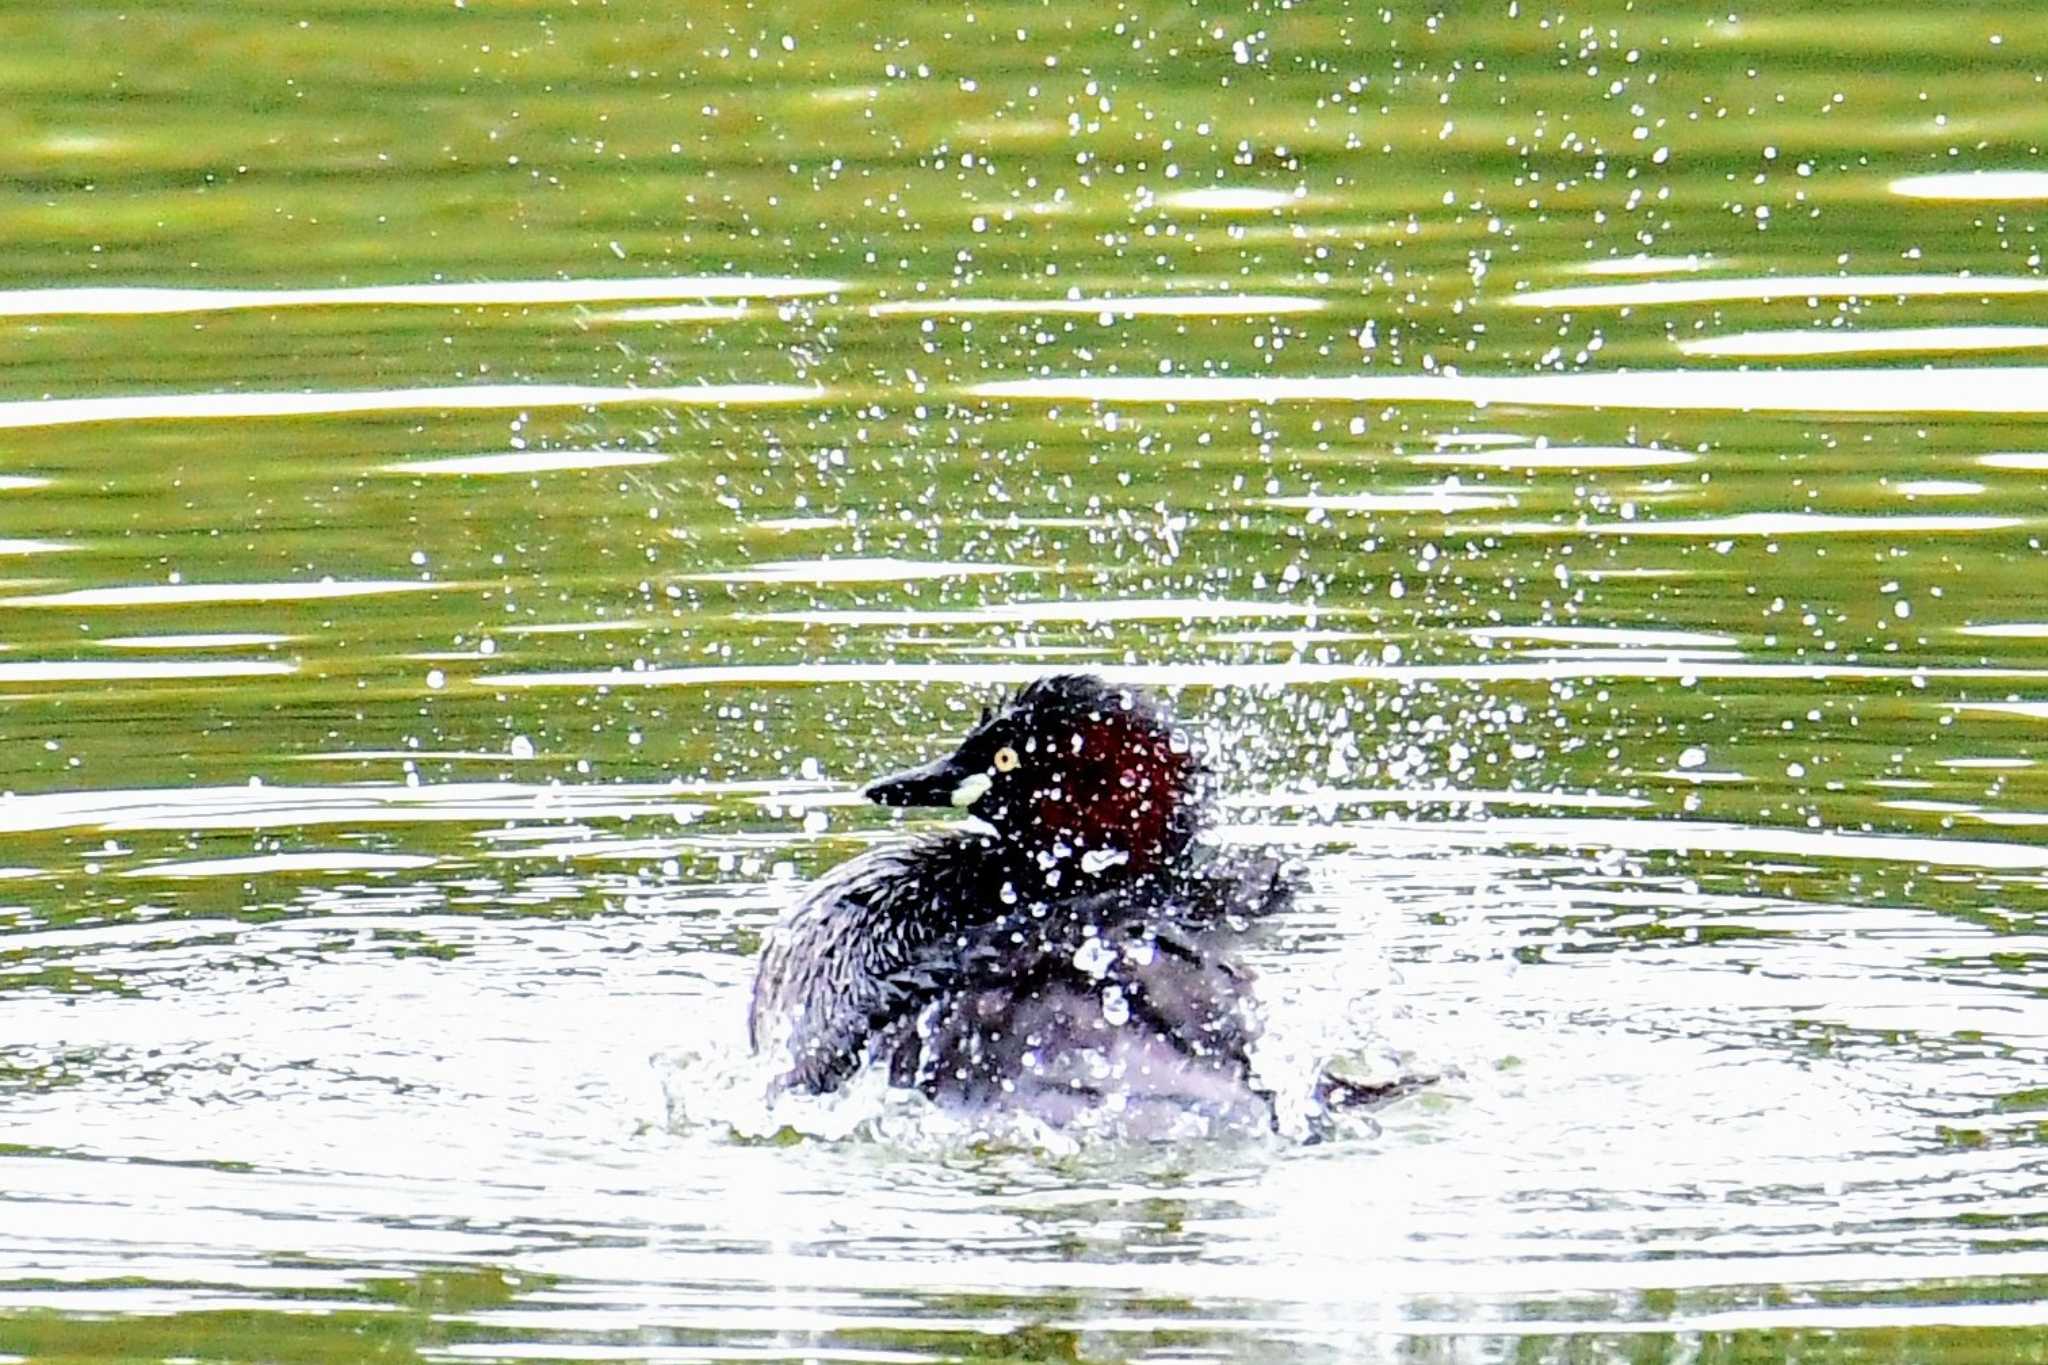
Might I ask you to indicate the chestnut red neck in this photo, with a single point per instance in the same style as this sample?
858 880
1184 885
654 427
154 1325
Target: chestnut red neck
1119 793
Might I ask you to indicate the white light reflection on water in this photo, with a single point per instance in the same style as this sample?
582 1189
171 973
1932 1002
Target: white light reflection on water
137 670
1092 611
1975 186
1623 664
208 594
1606 635
1557 457
2011 389
2025 710
1762 289
856 569
132 301
273 806
1671 836
678 312
185 407
1436 498
607 625
1937 488
1875 341
1229 199
527 462
2008 630
212 641
1767 524
270 864
1645 265
1156 305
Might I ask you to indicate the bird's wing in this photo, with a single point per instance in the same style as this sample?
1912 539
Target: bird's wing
857 954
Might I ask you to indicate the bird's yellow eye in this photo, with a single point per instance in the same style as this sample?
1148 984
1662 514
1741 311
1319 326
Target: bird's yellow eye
1005 759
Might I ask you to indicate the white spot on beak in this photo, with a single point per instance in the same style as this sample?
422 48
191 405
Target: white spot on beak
972 790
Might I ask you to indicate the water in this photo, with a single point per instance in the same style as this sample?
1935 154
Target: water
480 486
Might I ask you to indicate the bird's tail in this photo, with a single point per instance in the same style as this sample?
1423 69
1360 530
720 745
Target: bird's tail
1339 1094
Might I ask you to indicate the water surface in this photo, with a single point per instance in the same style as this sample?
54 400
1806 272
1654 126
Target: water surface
482 485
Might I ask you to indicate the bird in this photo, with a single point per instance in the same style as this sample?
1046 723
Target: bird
1071 951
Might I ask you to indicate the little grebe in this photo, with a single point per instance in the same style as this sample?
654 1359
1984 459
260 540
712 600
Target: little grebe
1074 951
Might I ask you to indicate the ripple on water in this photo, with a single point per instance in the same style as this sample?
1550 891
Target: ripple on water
1642 664
223 640
294 805
1762 289
1937 488
2008 389
369 1060
273 864
162 407
1872 341
1974 186
1622 637
527 462
1769 524
857 569
1230 199
1082 611
138 670
139 300
1568 457
1109 308
2029 461
1677 836
1434 498
208 594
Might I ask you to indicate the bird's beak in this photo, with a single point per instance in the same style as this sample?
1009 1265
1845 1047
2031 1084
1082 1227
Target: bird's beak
947 782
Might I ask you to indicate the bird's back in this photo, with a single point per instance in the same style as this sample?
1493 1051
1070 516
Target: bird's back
1129 996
